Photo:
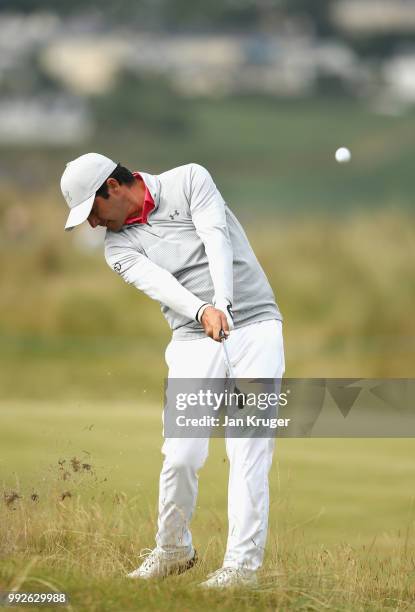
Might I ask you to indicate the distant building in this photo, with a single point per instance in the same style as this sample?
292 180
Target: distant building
363 16
21 34
43 121
86 65
223 64
399 77
85 57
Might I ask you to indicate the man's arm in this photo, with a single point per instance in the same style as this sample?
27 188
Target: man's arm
136 269
207 208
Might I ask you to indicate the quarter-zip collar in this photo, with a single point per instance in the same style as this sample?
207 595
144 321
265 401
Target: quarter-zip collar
147 207
153 184
152 198
153 187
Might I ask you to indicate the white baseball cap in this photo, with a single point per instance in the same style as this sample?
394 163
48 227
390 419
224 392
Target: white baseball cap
80 181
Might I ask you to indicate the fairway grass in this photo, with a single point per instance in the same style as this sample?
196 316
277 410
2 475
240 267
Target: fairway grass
341 531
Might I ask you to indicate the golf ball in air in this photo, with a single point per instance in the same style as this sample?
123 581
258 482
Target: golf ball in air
343 155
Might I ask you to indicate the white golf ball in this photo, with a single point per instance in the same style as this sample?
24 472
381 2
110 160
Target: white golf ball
343 155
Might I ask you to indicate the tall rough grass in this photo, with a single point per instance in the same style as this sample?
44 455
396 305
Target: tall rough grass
84 547
345 286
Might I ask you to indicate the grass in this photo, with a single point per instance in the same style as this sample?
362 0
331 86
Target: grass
341 533
346 290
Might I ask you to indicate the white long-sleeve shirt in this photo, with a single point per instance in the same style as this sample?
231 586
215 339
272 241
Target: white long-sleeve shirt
191 251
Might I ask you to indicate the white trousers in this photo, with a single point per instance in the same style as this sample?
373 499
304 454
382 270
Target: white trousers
254 351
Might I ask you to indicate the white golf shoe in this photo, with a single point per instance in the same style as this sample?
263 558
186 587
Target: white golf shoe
230 577
159 564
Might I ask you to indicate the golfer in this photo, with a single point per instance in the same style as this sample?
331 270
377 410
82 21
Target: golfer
172 236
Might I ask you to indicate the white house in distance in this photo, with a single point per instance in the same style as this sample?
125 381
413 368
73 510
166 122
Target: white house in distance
43 120
375 16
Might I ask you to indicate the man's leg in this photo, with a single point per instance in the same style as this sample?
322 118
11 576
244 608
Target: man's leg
256 351
184 457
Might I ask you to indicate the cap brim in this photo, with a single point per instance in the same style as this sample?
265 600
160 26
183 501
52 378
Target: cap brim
79 213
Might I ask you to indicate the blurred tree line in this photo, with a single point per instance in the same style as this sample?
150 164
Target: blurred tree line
182 14
174 14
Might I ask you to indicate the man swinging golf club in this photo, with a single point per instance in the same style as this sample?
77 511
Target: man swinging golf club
172 236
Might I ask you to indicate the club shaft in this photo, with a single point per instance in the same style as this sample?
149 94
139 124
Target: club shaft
227 360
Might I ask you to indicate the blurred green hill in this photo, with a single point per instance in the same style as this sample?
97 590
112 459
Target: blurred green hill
279 155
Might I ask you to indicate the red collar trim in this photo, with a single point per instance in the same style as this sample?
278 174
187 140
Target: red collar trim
147 206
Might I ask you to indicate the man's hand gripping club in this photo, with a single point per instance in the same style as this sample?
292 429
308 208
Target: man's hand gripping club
217 321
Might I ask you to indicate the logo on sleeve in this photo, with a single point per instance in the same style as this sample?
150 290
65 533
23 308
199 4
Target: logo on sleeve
117 267
175 214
